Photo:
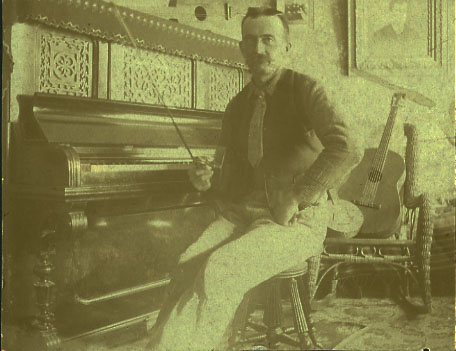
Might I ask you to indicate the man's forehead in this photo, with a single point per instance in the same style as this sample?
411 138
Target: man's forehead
263 25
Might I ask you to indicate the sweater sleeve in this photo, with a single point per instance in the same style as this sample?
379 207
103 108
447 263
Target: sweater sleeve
340 152
222 179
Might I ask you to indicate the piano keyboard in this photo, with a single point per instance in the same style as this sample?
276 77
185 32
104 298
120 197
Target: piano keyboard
152 166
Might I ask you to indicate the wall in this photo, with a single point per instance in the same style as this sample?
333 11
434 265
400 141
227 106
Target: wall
322 52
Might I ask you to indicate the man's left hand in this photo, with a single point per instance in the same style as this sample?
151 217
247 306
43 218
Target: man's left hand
284 207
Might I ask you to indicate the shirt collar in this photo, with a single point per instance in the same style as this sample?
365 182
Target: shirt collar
267 88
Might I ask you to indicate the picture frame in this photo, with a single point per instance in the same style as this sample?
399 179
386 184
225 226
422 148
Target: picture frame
300 12
297 12
395 34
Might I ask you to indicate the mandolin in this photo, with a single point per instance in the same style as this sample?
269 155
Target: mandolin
373 184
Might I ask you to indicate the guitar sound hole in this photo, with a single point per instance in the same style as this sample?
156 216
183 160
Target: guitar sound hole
375 176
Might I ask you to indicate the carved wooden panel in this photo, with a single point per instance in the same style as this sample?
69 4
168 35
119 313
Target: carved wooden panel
136 75
216 85
224 85
64 64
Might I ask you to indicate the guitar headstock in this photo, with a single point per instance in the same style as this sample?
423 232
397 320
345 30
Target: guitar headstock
397 99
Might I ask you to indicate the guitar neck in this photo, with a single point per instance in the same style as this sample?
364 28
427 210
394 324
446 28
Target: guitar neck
378 163
380 157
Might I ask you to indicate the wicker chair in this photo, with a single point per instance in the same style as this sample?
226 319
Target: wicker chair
410 255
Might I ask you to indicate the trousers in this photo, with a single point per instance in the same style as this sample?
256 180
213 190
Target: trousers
242 248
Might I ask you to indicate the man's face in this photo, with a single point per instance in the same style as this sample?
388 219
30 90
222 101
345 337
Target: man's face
399 16
264 45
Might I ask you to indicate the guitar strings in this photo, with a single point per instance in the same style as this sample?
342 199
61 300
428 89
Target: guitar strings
378 165
381 154
379 168
389 135
395 108
369 188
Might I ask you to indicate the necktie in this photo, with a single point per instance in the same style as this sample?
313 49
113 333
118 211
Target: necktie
255 143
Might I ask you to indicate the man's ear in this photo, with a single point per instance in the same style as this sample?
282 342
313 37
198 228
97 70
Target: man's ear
288 47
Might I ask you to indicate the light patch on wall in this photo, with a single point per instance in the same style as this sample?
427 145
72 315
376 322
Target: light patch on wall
100 222
158 223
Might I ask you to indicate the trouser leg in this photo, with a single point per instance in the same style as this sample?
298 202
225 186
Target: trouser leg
184 275
217 232
232 270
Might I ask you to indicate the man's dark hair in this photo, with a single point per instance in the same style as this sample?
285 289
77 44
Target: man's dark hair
255 12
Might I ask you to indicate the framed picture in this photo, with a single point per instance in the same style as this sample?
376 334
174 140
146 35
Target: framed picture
300 12
395 34
297 11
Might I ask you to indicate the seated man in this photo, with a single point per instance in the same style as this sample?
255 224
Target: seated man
285 146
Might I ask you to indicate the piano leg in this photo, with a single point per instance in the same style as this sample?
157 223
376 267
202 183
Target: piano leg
45 335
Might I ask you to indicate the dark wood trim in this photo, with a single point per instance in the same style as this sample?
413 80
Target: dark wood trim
108 93
95 67
194 84
42 100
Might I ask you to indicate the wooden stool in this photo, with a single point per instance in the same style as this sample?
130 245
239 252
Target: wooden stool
273 331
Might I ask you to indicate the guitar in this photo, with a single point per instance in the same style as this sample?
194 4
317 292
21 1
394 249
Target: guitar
373 184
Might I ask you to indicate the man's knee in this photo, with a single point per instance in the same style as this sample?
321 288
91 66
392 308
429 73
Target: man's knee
222 278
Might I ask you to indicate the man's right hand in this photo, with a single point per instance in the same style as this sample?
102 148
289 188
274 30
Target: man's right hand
200 175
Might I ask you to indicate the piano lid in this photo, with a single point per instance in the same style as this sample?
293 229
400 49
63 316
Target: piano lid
80 121
81 149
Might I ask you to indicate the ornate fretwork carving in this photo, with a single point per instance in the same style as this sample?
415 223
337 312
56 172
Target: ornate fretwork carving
224 85
98 19
135 72
65 65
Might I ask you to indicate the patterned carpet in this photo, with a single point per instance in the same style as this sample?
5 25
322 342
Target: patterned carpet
364 324
341 324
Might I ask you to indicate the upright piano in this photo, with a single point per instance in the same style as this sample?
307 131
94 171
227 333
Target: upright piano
103 210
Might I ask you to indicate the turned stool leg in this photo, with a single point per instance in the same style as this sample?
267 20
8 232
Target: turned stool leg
308 314
334 281
299 316
272 316
272 329
406 280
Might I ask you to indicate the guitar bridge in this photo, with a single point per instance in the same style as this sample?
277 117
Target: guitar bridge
367 204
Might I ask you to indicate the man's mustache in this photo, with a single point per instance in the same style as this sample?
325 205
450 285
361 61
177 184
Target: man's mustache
259 59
